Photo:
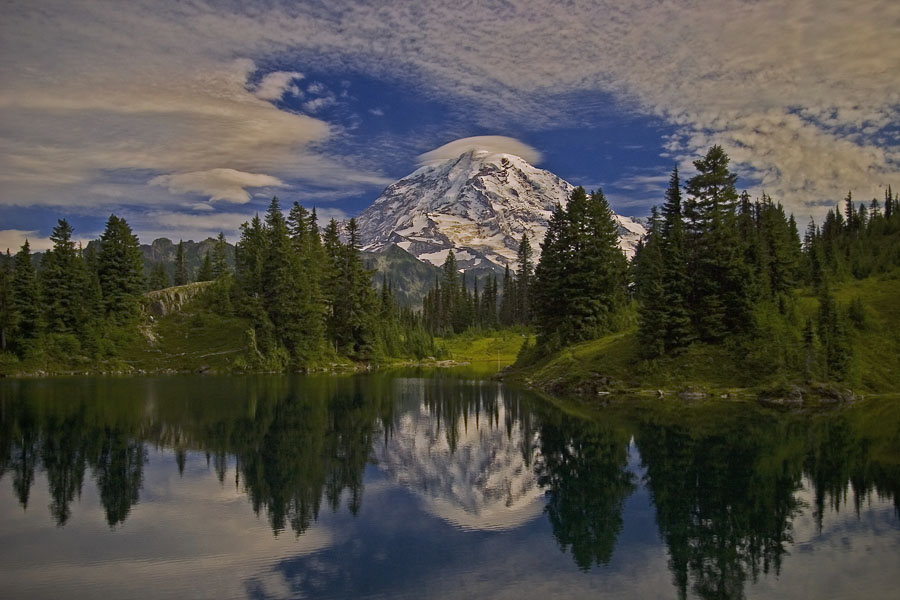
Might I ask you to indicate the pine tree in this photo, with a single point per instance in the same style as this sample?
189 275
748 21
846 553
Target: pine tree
219 258
7 309
721 295
650 285
360 296
550 277
120 268
509 301
280 291
181 270
159 277
206 269
62 277
581 279
524 280
26 297
833 335
676 282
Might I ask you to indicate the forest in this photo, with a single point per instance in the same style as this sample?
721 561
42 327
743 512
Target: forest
716 270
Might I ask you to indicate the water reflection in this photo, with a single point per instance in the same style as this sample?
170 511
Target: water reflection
467 451
727 481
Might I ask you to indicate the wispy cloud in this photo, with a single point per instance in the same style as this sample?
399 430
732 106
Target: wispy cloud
801 93
275 84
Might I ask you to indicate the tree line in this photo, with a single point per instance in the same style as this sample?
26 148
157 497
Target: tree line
309 295
78 301
716 265
306 294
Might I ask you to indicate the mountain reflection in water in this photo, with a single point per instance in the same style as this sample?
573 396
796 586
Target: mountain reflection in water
729 484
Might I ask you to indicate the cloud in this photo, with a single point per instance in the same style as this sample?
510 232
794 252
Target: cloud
317 104
227 185
13 239
492 143
274 85
802 94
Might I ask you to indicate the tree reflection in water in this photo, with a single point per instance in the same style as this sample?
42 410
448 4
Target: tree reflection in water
724 478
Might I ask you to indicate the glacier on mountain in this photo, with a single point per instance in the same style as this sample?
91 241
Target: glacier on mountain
479 204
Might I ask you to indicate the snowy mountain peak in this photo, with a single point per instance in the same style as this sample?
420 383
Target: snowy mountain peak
478 203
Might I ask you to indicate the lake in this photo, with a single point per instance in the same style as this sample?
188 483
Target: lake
435 484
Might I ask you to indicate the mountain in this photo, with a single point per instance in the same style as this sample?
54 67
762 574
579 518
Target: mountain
479 204
409 277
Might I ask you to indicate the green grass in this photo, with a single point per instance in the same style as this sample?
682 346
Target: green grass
774 360
188 342
501 345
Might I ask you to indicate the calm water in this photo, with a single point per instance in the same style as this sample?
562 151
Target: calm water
434 485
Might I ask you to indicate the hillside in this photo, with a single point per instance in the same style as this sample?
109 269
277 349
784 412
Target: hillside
769 364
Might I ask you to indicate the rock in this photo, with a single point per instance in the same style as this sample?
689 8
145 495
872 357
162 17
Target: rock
173 299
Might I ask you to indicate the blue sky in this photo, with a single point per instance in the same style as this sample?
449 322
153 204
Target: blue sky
186 117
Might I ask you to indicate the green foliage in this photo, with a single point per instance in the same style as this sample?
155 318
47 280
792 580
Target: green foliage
181 270
26 296
159 278
206 269
580 281
120 267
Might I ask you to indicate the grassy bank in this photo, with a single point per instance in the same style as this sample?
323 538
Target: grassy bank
774 361
498 346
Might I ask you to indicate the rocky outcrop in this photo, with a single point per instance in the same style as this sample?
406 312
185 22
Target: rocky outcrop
170 300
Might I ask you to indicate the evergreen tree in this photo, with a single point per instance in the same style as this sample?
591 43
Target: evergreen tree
721 295
26 298
360 297
280 291
510 299
62 278
580 281
219 258
159 277
206 269
834 336
676 282
181 270
524 280
7 309
120 266
650 285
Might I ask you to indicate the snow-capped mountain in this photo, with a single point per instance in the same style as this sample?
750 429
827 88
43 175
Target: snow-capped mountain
479 204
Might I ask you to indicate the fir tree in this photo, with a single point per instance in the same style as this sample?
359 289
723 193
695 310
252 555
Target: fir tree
181 270
26 298
509 301
206 269
280 291
219 258
359 299
676 282
650 285
120 267
580 281
721 295
7 309
159 277
524 280
62 278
